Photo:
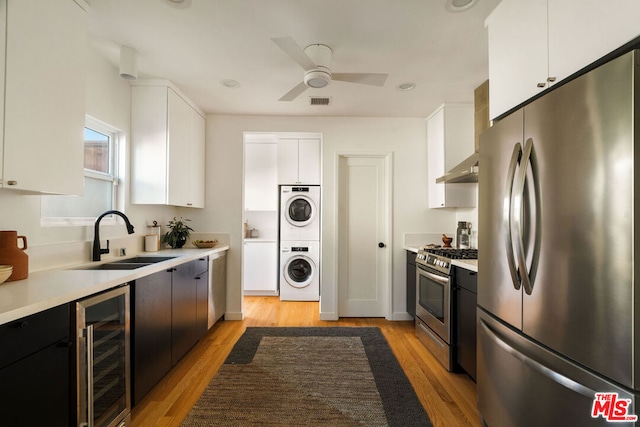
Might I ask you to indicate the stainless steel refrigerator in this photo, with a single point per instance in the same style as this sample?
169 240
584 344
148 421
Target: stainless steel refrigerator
558 297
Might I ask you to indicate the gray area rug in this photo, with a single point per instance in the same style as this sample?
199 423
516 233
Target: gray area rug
309 377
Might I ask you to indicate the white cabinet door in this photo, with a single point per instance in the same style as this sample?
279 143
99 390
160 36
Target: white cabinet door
44 99
581 35
261 176
299 161
450 140
149 145
536 43
178 143
309 161
518 55
287 161
260 268
197 161
435 158
168 148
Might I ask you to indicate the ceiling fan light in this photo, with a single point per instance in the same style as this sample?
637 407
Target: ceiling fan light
459 5
317 79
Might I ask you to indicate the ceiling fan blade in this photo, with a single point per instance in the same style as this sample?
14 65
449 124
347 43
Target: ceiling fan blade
372 79
291 48
294 93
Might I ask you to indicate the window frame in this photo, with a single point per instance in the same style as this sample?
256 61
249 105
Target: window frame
116 145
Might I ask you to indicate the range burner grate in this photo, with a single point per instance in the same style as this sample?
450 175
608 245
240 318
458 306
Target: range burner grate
453 253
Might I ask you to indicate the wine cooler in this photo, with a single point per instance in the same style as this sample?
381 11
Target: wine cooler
102 359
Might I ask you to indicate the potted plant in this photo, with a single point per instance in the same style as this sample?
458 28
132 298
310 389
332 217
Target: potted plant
178 233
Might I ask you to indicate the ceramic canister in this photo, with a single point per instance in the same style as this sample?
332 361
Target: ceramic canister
12 254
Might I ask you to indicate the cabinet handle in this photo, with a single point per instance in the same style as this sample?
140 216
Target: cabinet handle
551 79
90 376
12 182
189 204
21 325
541 84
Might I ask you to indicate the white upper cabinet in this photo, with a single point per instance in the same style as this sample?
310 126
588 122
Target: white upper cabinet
582 35
534 44
518 58
168 146
450 140
261 176
43 69
299 161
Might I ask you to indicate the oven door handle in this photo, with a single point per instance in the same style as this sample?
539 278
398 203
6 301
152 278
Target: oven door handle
440 279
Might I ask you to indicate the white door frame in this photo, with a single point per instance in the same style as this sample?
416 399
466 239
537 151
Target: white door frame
388 239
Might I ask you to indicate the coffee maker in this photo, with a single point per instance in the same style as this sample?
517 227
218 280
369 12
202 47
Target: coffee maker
463 235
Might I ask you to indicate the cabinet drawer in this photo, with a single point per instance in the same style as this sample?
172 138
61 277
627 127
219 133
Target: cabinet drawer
466 279
25 336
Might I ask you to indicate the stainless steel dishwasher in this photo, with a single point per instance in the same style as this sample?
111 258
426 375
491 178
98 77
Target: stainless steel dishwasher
217 287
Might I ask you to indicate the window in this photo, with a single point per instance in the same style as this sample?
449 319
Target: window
100 180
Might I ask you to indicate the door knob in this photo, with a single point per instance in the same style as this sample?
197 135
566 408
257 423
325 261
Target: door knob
381 245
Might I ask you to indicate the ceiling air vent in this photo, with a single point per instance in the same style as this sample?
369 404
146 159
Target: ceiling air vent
317 100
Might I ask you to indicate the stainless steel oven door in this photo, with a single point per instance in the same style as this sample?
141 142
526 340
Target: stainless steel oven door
433 292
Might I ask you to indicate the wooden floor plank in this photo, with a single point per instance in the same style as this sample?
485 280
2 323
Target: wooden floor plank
449 398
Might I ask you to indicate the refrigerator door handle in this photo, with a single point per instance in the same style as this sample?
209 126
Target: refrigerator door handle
507 214
554 376
519 204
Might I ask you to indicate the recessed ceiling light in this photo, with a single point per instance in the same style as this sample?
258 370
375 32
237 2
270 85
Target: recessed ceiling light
406 86
459 5
230 83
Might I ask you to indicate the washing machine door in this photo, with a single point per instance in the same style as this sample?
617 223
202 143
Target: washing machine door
299 271
300 211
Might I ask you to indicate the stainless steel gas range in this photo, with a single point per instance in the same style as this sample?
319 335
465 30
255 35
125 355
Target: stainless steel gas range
434 323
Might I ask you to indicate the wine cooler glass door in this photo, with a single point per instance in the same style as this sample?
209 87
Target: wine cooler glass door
103 359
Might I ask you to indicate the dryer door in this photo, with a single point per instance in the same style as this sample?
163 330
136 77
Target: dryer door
299 271
300 211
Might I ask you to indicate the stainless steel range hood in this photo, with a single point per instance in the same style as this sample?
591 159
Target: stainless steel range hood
465 172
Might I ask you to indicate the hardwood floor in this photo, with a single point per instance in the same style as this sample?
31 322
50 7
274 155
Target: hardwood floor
449 398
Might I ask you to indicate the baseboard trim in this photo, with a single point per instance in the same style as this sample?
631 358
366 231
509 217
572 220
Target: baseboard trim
233 316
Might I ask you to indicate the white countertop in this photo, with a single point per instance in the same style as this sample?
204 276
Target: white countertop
469 264
47 289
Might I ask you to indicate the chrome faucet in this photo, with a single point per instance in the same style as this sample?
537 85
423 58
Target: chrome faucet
97 251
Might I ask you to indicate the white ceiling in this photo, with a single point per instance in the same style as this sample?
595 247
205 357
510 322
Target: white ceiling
196 47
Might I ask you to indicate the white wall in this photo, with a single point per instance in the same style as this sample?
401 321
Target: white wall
406 138
108 99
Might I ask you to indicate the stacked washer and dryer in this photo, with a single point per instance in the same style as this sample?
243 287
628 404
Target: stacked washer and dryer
299 242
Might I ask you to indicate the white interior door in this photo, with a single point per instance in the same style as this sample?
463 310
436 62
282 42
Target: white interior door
363 226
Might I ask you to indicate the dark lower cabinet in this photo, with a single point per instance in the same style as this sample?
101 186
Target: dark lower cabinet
465 291
151 332
35 370
169 316
411 283
184 319
202 303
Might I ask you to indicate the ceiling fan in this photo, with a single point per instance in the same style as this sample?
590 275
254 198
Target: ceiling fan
315 59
